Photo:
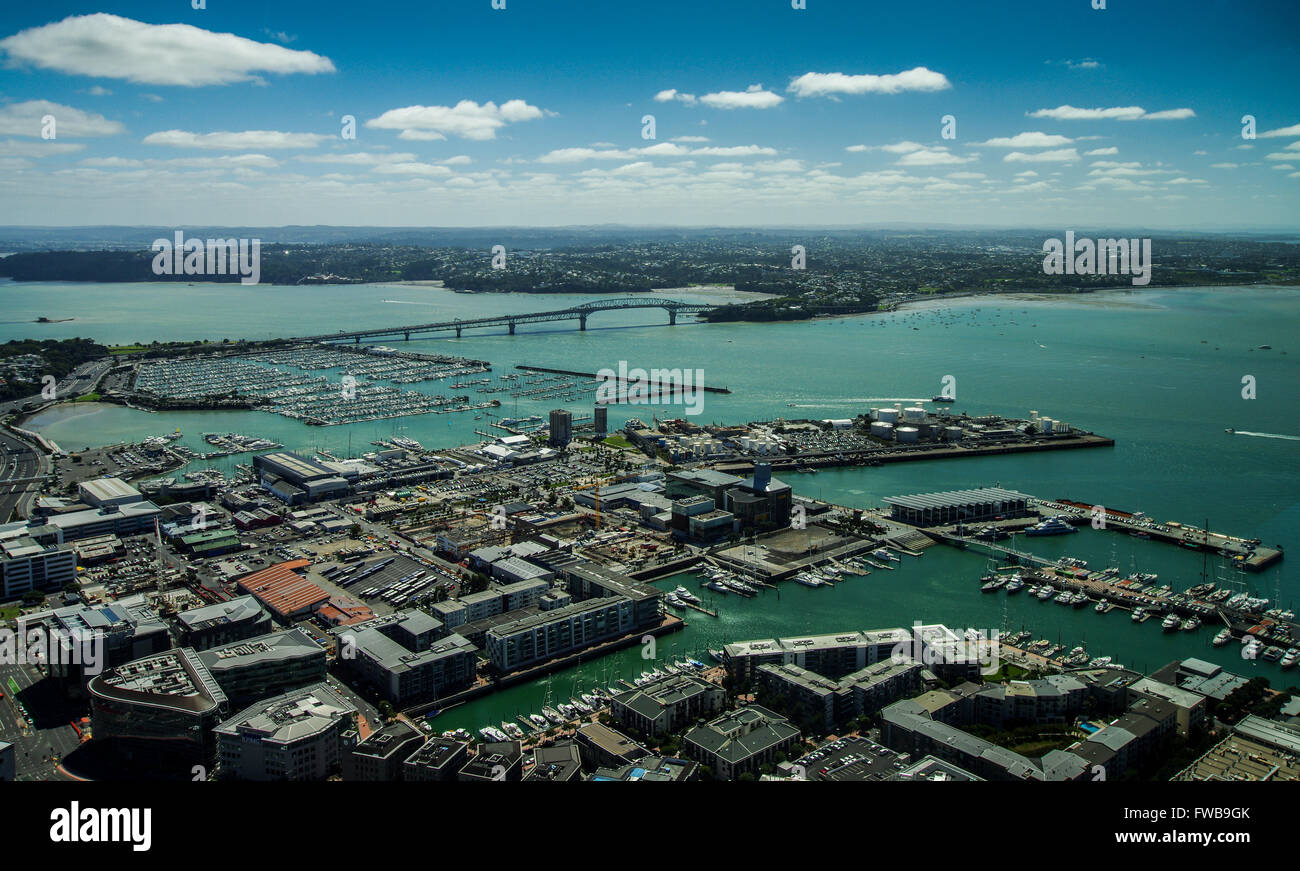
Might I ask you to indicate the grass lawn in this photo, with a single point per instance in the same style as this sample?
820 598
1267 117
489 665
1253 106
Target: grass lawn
618 441
10 611
89 397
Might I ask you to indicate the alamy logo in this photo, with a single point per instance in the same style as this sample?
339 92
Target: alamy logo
75 824
209 257
45 646
1100 257
655 387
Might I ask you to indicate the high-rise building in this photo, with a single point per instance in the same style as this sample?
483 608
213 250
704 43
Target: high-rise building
602 421
561 427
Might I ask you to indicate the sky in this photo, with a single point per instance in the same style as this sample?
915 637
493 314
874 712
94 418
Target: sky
1024 113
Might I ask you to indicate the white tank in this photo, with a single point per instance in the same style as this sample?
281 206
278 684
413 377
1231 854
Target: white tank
1033 415
883 430
888 415
1046 423
914 413
906 433
875 414
1062 426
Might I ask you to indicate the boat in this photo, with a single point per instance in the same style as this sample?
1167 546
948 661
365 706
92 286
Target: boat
718 655
1191 624
1229 429
1079 599
1139 614
991 587
716 586
1223 637
943 399
1065 597
1290 658
552 715
1271 653
1015 585
1102 607
1045 593
490 733
807 580
512 731
1171 623
538 720
1051 526
1099 662
882 553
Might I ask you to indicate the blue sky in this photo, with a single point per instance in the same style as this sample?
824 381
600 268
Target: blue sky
1066 116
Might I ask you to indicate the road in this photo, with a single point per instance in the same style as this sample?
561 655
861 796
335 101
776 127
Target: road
20 459
37 748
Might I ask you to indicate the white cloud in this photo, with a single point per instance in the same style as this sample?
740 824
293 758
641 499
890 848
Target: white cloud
967 175
753 97
1185 180
1099 152
245 139
1029 173
673 94
108 46
1293 130
1224 165
425 169
42 148
855 148
360 158
931 157
825 84
97 91
466 119
24 119
1281 155
1031 139
1062 155
690 139
734 151
1116 113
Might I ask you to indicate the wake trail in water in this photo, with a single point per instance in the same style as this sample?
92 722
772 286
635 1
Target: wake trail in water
1268 435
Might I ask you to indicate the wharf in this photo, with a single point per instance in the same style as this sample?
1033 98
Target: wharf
1248 553
595 375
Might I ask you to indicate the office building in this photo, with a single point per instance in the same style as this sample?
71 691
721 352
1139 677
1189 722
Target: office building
26 566
601 420
158 712
222 623
667 705
760 502
495 761
439 759
269 665
407 657
381 755
740 742
549 634
295 736
561 428
559 763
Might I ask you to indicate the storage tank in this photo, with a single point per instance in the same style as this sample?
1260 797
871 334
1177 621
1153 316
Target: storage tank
1033 415
1046 424
883 430
875 414
927 431
906 434
1062 427
952 434
888 415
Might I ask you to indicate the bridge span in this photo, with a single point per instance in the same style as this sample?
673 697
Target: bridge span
578 313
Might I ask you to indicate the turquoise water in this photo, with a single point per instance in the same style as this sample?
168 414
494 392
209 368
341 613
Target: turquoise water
1129 365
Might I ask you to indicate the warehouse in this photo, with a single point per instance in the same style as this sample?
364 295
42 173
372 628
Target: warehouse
954 506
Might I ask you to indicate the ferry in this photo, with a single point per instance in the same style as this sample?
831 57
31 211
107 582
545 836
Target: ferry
1223 637
1051 526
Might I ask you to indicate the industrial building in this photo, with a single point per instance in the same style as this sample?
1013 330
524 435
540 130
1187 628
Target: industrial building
285 593
103 492
294 480
958 506
296 736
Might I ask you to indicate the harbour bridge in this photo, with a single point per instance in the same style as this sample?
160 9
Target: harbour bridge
578 313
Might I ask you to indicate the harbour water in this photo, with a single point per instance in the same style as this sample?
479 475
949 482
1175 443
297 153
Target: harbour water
1160 371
